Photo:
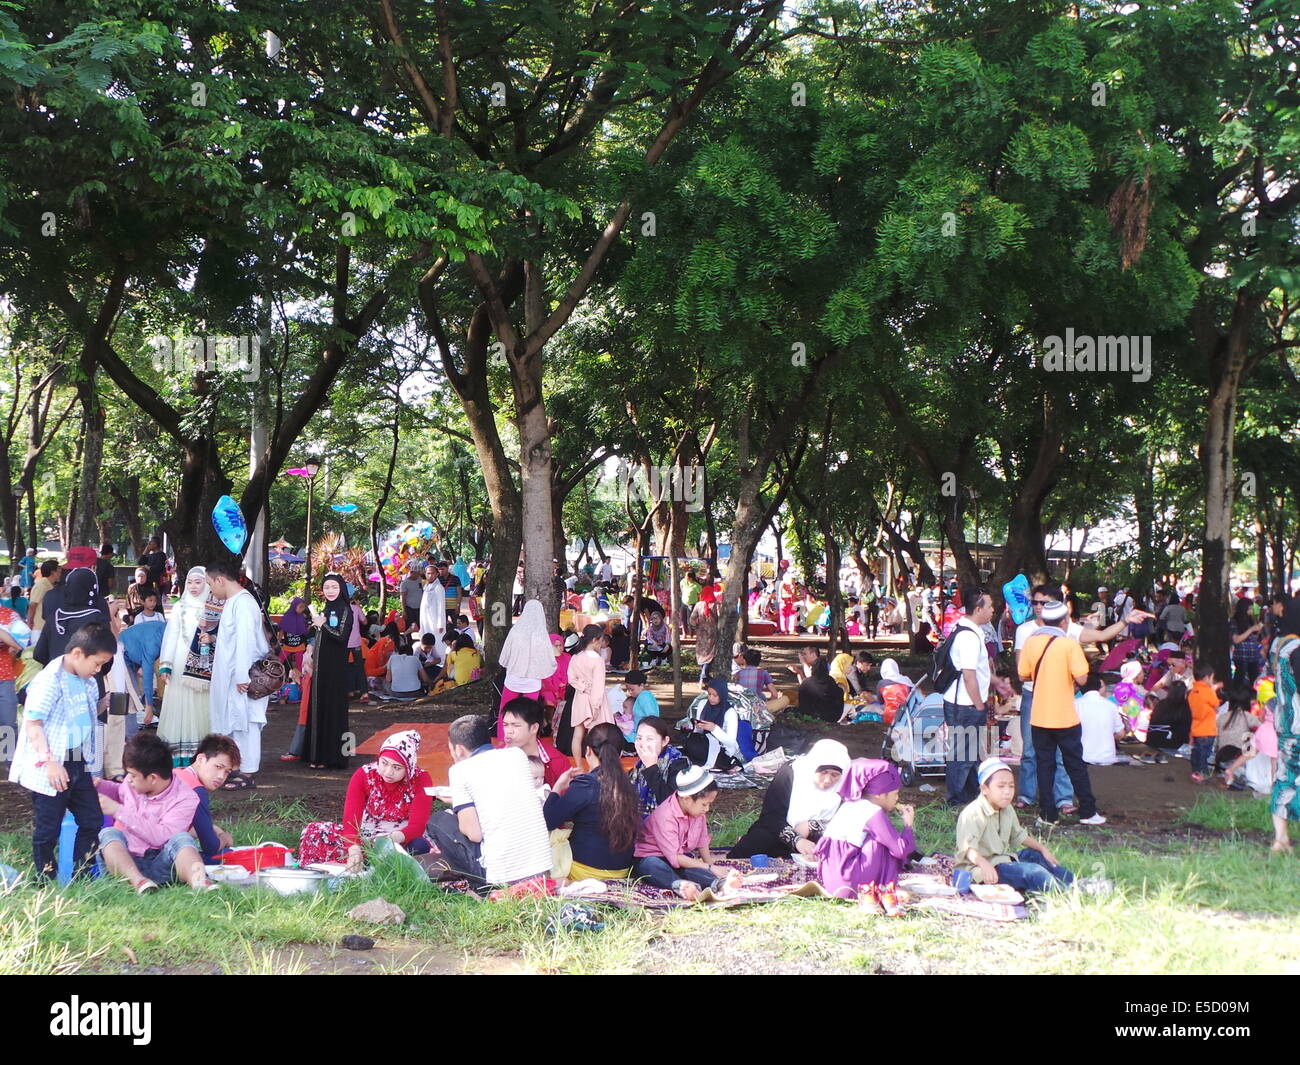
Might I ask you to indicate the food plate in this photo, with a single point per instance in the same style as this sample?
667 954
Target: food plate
996 893
761 878
924 885
805 861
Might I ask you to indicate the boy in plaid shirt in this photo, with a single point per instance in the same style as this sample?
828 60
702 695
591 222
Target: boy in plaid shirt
59 752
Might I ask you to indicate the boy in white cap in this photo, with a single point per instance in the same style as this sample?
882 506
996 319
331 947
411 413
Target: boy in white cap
672 848
994 848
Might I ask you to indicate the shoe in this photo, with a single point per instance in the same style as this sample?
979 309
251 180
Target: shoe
146 887
1198 779
890 902
1095 819
290 758
869 900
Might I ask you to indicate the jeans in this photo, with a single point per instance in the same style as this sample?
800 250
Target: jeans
662 875
1069 742
460 853
1029 760
964 726
8 720
1203 753
47 817
1031 872
158 863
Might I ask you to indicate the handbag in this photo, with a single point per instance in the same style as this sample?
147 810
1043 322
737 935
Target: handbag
267 674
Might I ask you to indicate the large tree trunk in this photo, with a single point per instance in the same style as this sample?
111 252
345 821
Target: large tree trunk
1146 524
535 461
1024 552
1228 367
202 483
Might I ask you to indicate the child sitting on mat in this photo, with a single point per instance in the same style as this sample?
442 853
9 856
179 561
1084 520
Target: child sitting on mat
677 830
861 853
994 848
389 798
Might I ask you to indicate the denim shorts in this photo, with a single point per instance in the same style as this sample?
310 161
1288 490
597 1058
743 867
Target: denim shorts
158 864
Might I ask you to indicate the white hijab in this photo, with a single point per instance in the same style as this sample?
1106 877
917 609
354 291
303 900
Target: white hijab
527 652
185 618
808 802
889 673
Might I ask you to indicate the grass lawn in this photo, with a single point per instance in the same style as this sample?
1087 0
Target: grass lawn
1196 903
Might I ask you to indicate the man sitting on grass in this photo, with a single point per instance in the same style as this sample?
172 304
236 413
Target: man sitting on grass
152 810
216 758
994 848
494 832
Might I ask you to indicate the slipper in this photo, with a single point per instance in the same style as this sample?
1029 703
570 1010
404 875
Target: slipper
290 758
238 782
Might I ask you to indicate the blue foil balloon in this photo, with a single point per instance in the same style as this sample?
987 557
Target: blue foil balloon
1016 593
228 520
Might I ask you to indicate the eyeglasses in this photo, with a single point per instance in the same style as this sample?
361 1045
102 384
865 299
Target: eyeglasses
1038 602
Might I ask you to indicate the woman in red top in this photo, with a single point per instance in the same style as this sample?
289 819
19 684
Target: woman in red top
389 798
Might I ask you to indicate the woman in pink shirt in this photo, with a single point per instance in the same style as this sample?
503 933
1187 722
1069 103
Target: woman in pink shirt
587 678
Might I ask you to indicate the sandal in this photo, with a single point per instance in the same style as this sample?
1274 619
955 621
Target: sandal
290 758
145 887
1022 804
238 782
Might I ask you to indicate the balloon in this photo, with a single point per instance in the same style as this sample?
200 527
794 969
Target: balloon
1016 593
343 508
228 521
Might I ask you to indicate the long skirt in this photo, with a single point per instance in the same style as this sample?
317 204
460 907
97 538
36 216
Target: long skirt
842 868
327 721
185 719
1286 786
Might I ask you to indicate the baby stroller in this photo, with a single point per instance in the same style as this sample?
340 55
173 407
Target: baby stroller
915 741
755 721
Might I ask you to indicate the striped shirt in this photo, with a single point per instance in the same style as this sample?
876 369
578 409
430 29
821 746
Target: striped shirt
499 785
65 705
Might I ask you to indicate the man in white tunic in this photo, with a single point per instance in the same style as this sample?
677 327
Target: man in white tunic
433 613
241 641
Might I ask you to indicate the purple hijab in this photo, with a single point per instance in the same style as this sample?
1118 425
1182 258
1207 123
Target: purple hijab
293 623
869 776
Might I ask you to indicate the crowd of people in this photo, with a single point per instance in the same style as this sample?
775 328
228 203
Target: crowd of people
551 797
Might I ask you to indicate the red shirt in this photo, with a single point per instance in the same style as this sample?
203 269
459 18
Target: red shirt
387 806
8 662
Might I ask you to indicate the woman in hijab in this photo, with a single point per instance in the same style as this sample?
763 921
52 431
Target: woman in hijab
294 627
819 696
803 797
327 719
861 853
186 659
1285 660
80 603
715 741
839 670
527 656
387 799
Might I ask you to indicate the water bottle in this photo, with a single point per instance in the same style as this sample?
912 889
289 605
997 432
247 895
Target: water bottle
68 843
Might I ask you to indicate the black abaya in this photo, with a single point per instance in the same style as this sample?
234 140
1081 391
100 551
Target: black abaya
327 715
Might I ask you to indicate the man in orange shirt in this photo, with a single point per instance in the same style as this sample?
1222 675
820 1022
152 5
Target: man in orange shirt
1055 664
1204 701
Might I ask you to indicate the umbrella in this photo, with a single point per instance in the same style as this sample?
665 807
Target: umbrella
285 556
281 545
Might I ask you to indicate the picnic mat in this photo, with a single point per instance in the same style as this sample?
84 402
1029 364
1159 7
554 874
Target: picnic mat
434 756
780 879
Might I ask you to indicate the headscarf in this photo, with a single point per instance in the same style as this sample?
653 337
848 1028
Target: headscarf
338 612
1131 672
808 802
716 714
840 666
388 806
293 623
889 674
869 776
527 652
80 596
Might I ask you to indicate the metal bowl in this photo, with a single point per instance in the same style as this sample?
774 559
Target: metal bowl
286 881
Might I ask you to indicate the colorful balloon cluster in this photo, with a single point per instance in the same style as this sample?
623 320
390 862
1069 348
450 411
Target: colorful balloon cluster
401 547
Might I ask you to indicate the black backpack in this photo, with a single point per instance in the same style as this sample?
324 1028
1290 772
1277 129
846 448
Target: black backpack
942 671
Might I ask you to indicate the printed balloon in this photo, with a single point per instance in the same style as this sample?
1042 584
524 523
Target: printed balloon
1016 593
228 521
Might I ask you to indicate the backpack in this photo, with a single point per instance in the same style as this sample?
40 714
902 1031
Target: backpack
942 670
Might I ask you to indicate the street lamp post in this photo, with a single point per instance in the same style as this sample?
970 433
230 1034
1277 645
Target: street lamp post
309 471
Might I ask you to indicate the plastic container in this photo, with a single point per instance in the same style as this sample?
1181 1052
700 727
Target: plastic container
759 861
263 856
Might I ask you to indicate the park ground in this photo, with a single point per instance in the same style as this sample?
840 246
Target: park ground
1196 892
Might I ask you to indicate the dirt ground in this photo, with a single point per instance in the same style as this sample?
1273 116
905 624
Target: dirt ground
1141 800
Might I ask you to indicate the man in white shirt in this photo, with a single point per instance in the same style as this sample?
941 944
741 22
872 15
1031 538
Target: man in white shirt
1102 724
241 641
495 832
965 700
606 572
